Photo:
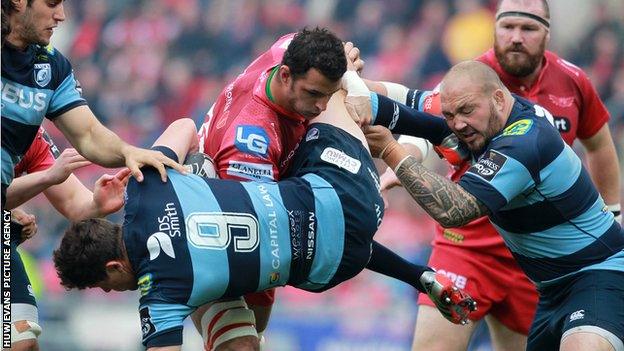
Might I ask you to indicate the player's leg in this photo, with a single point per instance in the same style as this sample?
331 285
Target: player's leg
435 333
503 338
509 320
24 316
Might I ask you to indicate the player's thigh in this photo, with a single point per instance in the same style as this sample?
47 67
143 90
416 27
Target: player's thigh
434 333
582 341
503 338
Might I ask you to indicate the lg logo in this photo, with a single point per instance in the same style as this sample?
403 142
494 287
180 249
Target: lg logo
252 139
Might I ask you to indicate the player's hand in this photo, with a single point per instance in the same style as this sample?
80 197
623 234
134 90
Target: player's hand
454 304
359 108
64 165
387 181
380 140
109 192
28 222
137 158
354 62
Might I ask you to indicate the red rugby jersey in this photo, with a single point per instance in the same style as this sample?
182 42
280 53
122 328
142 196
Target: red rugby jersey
248 136
40 155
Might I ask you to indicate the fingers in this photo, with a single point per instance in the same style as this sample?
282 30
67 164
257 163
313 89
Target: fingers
135 171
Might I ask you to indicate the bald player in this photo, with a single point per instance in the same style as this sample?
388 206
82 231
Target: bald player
538 196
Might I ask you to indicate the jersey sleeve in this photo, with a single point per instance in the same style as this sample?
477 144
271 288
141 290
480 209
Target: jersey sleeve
248 152
162 323
593 114
68 92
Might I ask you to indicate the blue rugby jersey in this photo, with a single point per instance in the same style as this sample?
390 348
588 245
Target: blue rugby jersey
36 83
543 201
194 240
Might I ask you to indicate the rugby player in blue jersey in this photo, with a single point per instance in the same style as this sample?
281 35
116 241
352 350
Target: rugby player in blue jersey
37 83
538 196
194 240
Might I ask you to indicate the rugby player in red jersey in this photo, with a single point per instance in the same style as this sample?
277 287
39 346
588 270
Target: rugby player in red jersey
254 128
474 256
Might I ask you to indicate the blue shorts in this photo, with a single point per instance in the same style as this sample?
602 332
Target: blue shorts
342 161
592 298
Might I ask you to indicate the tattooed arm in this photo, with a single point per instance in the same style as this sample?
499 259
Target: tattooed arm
446 202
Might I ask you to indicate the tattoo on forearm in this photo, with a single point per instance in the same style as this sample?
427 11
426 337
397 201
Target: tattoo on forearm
445 201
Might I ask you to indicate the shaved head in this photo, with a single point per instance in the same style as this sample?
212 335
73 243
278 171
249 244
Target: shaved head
472 73
475 103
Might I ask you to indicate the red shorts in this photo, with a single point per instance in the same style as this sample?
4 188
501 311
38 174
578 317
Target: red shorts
261 298
497 284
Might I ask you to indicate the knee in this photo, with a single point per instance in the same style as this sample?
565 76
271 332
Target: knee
25 345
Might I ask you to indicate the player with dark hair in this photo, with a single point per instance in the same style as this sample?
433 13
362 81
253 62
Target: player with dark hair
537 194
278 233
37 83
254 127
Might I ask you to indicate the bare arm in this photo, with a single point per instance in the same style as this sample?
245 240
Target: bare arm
100 145
181 137
446 202
603 166
30 185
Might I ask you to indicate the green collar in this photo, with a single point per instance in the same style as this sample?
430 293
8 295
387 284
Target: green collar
268 83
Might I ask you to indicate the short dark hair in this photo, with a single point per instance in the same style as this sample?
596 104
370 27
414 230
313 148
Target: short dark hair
317 48
86 247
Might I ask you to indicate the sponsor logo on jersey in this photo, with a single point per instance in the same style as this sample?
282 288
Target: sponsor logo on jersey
562 124
580 314
375 179
312 134
489 165
54 150
295 219
453 236
395 116
158 241
340 159
274 277
459 280
520 127
25 98
42 74
311 236
267 200
147 327
169 223
145 284
251 171
252 140
561 101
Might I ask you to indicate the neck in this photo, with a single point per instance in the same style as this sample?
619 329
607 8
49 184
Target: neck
276 89
509 102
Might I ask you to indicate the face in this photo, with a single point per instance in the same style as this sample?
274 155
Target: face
118 278
37 21
309 94
519 42
472 115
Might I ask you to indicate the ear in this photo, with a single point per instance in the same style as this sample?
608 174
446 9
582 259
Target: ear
284 74
113 266
547 39
20 5
499 99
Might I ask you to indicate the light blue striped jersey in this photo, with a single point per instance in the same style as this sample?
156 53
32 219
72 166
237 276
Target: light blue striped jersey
36 83
542 200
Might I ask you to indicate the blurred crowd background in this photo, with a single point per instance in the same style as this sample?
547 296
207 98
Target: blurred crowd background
143 64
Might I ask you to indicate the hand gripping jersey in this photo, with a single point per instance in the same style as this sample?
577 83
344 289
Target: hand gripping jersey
194 240
36 83
542 200
248 136
40 155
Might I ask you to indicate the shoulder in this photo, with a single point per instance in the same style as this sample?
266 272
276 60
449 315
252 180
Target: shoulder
566 68
529 138
51 66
